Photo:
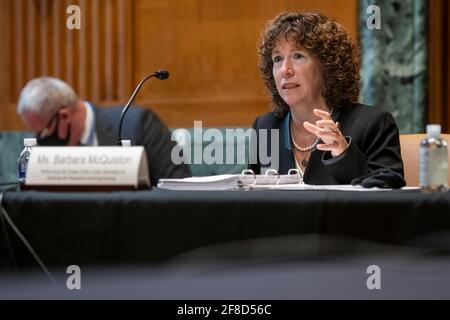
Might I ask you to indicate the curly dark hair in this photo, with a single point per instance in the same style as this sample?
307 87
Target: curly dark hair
326 40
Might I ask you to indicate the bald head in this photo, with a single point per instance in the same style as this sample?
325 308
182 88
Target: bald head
45 95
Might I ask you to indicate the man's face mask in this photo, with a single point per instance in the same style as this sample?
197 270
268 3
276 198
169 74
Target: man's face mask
43 139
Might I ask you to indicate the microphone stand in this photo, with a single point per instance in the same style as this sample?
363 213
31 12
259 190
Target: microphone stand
162 75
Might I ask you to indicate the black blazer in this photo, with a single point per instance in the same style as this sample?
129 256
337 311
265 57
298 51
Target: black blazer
143 128
371 132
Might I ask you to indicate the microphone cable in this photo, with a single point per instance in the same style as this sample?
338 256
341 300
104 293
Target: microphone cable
6 234
4 215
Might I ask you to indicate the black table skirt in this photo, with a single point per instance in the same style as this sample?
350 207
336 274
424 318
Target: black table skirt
156 225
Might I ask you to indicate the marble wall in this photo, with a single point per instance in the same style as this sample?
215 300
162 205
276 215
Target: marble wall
11 144
393 60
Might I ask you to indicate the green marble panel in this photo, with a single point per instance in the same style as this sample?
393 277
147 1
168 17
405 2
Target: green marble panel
393 60
11 144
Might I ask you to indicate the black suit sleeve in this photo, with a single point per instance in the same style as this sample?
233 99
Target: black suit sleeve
156 138
377 147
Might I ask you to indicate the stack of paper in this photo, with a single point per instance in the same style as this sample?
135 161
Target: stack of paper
227 182
219 182
248 180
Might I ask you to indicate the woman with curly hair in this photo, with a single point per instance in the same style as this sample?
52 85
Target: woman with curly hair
311 68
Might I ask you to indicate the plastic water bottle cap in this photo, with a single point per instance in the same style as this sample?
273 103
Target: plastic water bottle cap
434 130
29 142
126 143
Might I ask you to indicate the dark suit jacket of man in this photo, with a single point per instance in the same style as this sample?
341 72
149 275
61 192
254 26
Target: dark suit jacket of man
371 132
143 128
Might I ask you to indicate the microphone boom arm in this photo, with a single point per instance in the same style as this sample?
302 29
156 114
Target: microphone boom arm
162 75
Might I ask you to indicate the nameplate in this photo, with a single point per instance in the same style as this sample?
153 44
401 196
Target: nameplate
88 166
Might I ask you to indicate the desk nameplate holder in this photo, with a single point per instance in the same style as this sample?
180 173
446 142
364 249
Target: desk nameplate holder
87 169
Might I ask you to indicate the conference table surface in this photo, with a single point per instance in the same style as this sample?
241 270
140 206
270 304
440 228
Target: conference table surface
157 225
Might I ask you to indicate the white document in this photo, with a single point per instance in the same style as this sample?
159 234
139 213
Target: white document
256 182
229 181
88 166
337 187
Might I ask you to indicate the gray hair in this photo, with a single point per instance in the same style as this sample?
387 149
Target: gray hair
45 95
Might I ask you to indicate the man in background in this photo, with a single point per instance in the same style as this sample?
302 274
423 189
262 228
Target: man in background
51 109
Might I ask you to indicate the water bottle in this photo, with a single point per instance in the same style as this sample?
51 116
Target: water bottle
433 161
22 161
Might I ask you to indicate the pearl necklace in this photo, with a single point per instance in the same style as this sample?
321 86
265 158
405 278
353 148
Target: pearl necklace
304 149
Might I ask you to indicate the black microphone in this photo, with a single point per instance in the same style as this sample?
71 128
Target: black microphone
161 75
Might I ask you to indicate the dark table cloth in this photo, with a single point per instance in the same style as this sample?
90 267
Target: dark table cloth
149 226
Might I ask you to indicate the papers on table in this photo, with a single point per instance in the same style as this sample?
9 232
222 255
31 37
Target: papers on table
231 181
338 187
246 181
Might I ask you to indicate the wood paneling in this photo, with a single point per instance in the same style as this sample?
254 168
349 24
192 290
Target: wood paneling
5 60
37 42
439 64
209 47
211 53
